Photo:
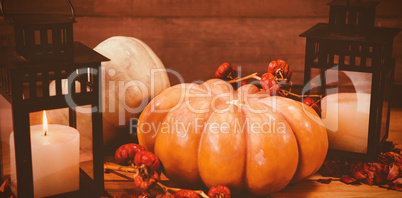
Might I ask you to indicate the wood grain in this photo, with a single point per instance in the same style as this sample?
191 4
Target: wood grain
193 38
192 8
308 188
194 47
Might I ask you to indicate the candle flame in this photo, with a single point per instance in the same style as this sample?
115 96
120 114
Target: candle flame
45 127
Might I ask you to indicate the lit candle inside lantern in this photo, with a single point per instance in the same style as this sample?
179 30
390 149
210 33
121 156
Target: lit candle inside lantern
55 159
45 127
346 116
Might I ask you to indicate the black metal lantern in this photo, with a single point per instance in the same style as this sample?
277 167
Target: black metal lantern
350 44
32 79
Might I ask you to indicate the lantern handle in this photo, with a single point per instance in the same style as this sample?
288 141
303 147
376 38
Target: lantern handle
72 10
8 20
11 22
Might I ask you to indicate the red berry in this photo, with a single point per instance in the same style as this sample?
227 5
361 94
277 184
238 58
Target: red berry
272 67
147 158
147 180
243 83
223 71
186 194
219 192
311 103
126 153
280 69
270 84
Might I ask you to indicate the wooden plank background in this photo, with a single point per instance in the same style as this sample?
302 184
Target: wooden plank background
194 37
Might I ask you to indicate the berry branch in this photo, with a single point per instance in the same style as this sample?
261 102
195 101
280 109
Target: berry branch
167 189
115 167
136 170
251 76
133 158
302 96
275 82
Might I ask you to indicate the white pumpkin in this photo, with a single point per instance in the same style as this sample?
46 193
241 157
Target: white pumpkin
132 77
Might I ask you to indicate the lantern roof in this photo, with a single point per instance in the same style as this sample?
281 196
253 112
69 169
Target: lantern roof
38 19
353 3
378 35
81 55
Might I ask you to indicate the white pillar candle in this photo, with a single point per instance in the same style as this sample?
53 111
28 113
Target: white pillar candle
346 116
55 159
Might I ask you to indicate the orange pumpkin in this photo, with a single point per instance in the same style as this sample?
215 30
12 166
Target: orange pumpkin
213 135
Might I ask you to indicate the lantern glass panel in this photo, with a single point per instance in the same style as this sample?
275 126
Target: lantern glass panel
346 107
338 81
351 43
60 116
56 116
6 126
385 114
315 82
55 168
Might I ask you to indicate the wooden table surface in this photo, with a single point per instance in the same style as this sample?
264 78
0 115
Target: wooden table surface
117 183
